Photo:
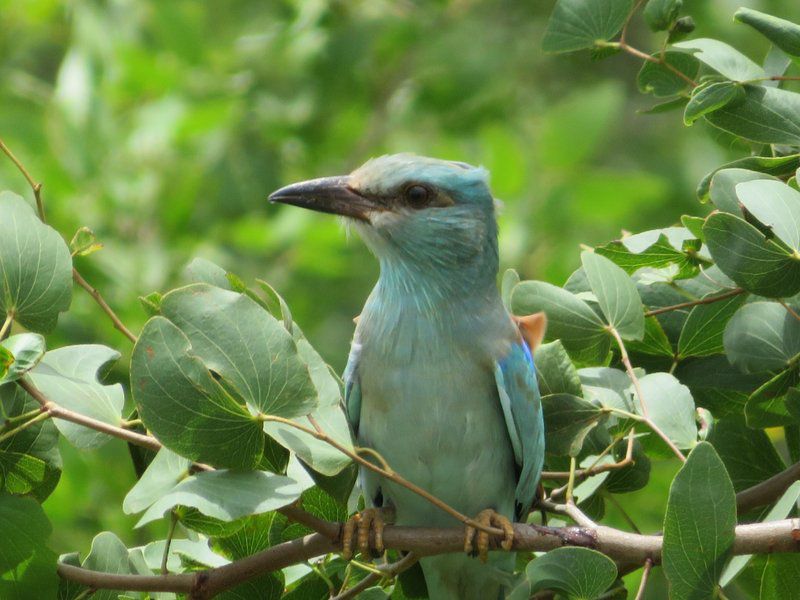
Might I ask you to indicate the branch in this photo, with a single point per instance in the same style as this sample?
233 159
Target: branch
76 276
756 538
767 491
725 296
387 572
59 412
118 324
644 418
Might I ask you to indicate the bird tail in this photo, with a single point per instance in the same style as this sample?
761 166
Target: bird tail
462 577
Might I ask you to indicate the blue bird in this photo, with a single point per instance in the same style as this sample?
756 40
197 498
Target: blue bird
440 380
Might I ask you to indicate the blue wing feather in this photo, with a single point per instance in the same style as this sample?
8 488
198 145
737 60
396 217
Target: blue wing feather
522 408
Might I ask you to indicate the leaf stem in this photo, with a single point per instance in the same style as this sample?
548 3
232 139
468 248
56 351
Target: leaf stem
709 300
622 45
644 418
168 542
40 417
648 565
6 327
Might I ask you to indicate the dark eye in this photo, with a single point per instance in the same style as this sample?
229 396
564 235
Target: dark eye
418 196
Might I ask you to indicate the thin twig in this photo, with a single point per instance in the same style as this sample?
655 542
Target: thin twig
638 388
173 521
708 300
76 276
388 474
36 187
386 572
648 565
118 324
610 497
658 60
40 417
571 510
596 468
59 412
624 32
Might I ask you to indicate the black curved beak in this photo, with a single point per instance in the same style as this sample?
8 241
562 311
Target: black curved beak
329 195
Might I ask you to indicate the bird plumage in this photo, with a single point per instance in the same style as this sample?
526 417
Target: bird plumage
439 380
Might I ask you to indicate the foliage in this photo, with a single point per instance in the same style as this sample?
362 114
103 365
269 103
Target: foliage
677 341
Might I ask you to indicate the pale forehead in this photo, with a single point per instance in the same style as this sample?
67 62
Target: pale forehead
389 172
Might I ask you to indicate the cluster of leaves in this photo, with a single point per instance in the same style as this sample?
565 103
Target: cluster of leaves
222 375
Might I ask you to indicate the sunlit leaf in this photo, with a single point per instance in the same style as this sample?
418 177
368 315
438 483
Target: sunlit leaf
784 34
724 59
25 351
616 293
710 98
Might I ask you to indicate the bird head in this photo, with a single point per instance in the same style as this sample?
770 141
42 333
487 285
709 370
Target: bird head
415 210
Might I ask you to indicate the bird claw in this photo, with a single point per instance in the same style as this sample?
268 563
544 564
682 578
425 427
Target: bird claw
488 518
363 523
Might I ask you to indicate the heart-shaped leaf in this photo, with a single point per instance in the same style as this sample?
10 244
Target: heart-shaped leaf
578 24
616 294
35 267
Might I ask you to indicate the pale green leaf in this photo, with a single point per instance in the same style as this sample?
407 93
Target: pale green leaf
616 294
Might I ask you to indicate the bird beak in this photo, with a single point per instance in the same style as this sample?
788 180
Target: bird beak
329 195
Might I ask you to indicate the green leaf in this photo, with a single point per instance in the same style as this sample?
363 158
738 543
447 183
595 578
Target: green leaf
578 573
567 421
616 294
699 525
251 351
722 190
663 107
108 555
762 336
568 318
766 115
35 267
654 249
702 333
69 377
779 576
670 406
748 454
754 262
184 407
210 493
784 34
608 387
781 510
633 477
776 206
767 406
578 24
712 97
554 370
661 14
84 243
27 565
329 415
163 473
200 270
26 350
654 78
654 342
30 462
694 225
724 59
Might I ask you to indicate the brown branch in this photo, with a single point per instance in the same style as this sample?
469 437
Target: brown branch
622 45
725 296
625 548
59 412
767 491
118 324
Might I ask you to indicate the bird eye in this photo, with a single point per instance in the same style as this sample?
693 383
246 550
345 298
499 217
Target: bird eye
417 195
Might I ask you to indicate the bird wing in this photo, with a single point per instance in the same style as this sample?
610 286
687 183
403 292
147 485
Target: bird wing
522 409
352 388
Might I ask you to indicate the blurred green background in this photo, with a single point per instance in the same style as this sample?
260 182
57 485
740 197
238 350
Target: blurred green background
164 125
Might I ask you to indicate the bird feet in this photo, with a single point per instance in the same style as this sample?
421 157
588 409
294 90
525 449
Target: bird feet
364 523
488 518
